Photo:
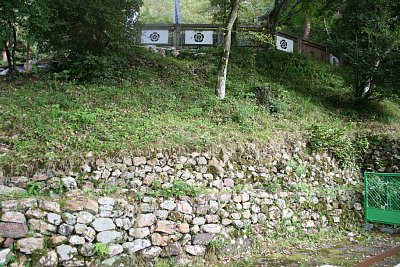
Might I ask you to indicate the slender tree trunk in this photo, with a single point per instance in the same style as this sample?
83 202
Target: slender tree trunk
223 66
27 59
273 17
14 61
307 26
8 55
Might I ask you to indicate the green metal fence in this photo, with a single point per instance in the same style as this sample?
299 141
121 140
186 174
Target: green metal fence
382 197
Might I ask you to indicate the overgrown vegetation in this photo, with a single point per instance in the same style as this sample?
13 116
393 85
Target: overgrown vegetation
162 103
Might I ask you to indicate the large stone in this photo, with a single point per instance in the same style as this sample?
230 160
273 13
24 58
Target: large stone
173 249
66 252
69 182
13 217
9 205
54 218
115 250
84 217
144 220
139 232
168 205
57 240
92 206
137 245
49 260
42 227
89 234
108 237
30 244
185 207
137 161
65 229
76 240
5 256
196 250
159 240
103 224
106 201
167 227
13 230
211 228
50 206
202 239
5 190
36 214
151 253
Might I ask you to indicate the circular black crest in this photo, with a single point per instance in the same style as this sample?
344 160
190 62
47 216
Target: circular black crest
154 37
199 37
283 44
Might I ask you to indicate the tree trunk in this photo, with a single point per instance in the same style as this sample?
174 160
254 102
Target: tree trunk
307 25
223 66
273 17
8 55
14 61
27 59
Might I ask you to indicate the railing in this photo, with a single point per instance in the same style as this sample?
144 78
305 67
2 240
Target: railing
382 197
197 35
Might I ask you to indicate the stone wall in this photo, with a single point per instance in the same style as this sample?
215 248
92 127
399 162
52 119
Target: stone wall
170 205
383 155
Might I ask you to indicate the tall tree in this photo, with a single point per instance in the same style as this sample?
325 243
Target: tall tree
223 66
366 35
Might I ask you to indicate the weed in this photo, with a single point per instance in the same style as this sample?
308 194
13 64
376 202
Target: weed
101 250
33 188
177 188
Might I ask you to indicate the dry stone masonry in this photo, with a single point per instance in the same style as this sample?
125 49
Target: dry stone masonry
110 210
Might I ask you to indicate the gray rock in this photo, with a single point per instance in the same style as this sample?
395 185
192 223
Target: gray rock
87 250
89 234
13 217
54 218
144 220
388 230
69 218
151 253
84 217
70 182
76 240
5 256
168 205
368 227
65 229
5 190
106 201
108 237
202 239
115 250
49 260
185 207
139 232
124 223
50 206
80 228
103 224
66 252
13 230
196 250
30 244
137 245
9 205
211 228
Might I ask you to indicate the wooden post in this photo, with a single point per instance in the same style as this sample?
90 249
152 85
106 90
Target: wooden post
177 36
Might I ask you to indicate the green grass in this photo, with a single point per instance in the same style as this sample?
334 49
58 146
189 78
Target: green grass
169 103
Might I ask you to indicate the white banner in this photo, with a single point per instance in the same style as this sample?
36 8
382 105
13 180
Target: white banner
199 37
155 36
284 44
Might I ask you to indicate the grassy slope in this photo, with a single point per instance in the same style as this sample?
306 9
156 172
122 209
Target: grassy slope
169 103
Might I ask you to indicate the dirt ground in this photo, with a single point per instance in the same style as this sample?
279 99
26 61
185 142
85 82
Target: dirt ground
347 252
